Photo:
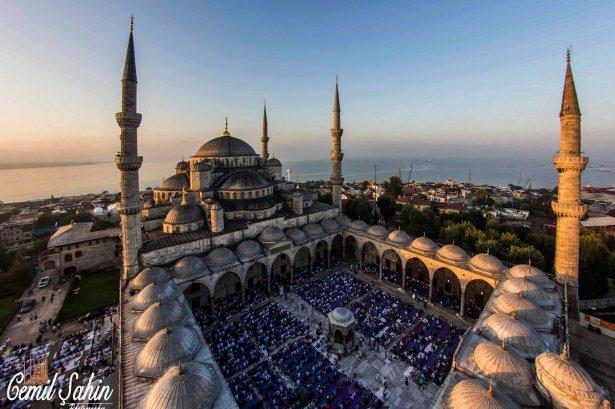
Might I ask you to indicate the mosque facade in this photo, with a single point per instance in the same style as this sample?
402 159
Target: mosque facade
226 220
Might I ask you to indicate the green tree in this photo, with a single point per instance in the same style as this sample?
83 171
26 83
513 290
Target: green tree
325 197
102 224
593 265
483 199
359 209
393 187
523 254
6 258
83 217
419 222
387 208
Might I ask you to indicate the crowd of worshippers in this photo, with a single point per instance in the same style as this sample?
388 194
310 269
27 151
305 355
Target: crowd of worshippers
20 358
392 276
273 392
445 300
333 290
272 326
383 317
417 287
472 310
371 269
429 348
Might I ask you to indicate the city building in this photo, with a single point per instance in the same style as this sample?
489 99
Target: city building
18 231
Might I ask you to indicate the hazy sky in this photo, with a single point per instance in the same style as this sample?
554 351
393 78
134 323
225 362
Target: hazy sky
447 78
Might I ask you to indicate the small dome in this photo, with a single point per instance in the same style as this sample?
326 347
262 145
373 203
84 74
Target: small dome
184 213
496 362
329 225
182 166
341 316
378 231
245 180
158 316
566 382
271 162
510 303
221 257
272 234
531 273
470 394
296 235
148 276
528 290
399 237
224 146
191 385
424 245
169 346
178 182
452 254
486 263
343 220
514 332
313 230
157 291
189 267
358 225
249 249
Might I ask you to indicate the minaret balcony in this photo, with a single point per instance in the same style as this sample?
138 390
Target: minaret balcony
128 119
126 163
565 162
575 210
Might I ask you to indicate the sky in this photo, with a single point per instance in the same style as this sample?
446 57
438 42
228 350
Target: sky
470 78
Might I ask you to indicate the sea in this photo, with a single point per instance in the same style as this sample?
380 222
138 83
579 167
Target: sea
18 185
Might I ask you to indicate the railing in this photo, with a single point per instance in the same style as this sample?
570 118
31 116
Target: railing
598 303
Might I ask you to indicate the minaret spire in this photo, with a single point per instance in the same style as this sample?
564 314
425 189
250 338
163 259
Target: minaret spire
570 102
264 135
336 152
128 162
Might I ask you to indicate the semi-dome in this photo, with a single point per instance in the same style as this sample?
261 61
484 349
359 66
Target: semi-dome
296 235
191 385
510 303
182 166
399 237
341 316
329 225
184 213
221 257
313 230
169 346
271 162
178 181
495 361
245 180
486 263
452 254
470 394
343 220
224 146
378 231
148 276
566 382
531 273
513 332
249 249
424 245
358 225
157 291
158 316
272 234
528 290
189 267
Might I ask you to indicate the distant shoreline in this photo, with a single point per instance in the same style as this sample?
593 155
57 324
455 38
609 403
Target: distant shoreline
12 166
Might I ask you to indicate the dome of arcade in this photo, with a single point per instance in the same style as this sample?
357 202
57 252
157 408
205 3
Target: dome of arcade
296 235
343 220
245 180
358 225
220 257
452 254
514 304
225 146
313 230
157 291
531 273
399 237
148 276
470 394
486 263
329 225
169 346
158 316
190 385
496 362
528 290
271 234
248 249
423 245
513 332
378 231
189 267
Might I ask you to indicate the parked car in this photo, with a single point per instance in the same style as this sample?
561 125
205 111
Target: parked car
27 306
43 282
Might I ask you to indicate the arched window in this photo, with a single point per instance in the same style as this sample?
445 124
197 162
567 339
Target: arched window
78 254
68 257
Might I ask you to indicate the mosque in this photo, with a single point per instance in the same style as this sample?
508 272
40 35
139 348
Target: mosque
226 226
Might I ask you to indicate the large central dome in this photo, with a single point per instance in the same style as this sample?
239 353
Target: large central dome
224 146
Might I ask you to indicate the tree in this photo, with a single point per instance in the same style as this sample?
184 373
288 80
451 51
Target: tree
83 217
419 222
387 208
325 197
102 224
483 199
593 265
5 258
523 254
464 234
359 209
393 187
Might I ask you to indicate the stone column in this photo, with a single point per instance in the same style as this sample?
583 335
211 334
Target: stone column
430 287
463 301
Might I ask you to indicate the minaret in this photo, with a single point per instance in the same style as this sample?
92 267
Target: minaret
264 136
568 208
336 153
128 162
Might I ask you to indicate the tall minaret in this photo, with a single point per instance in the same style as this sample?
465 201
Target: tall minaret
336 153
264 136
128 162
568 208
